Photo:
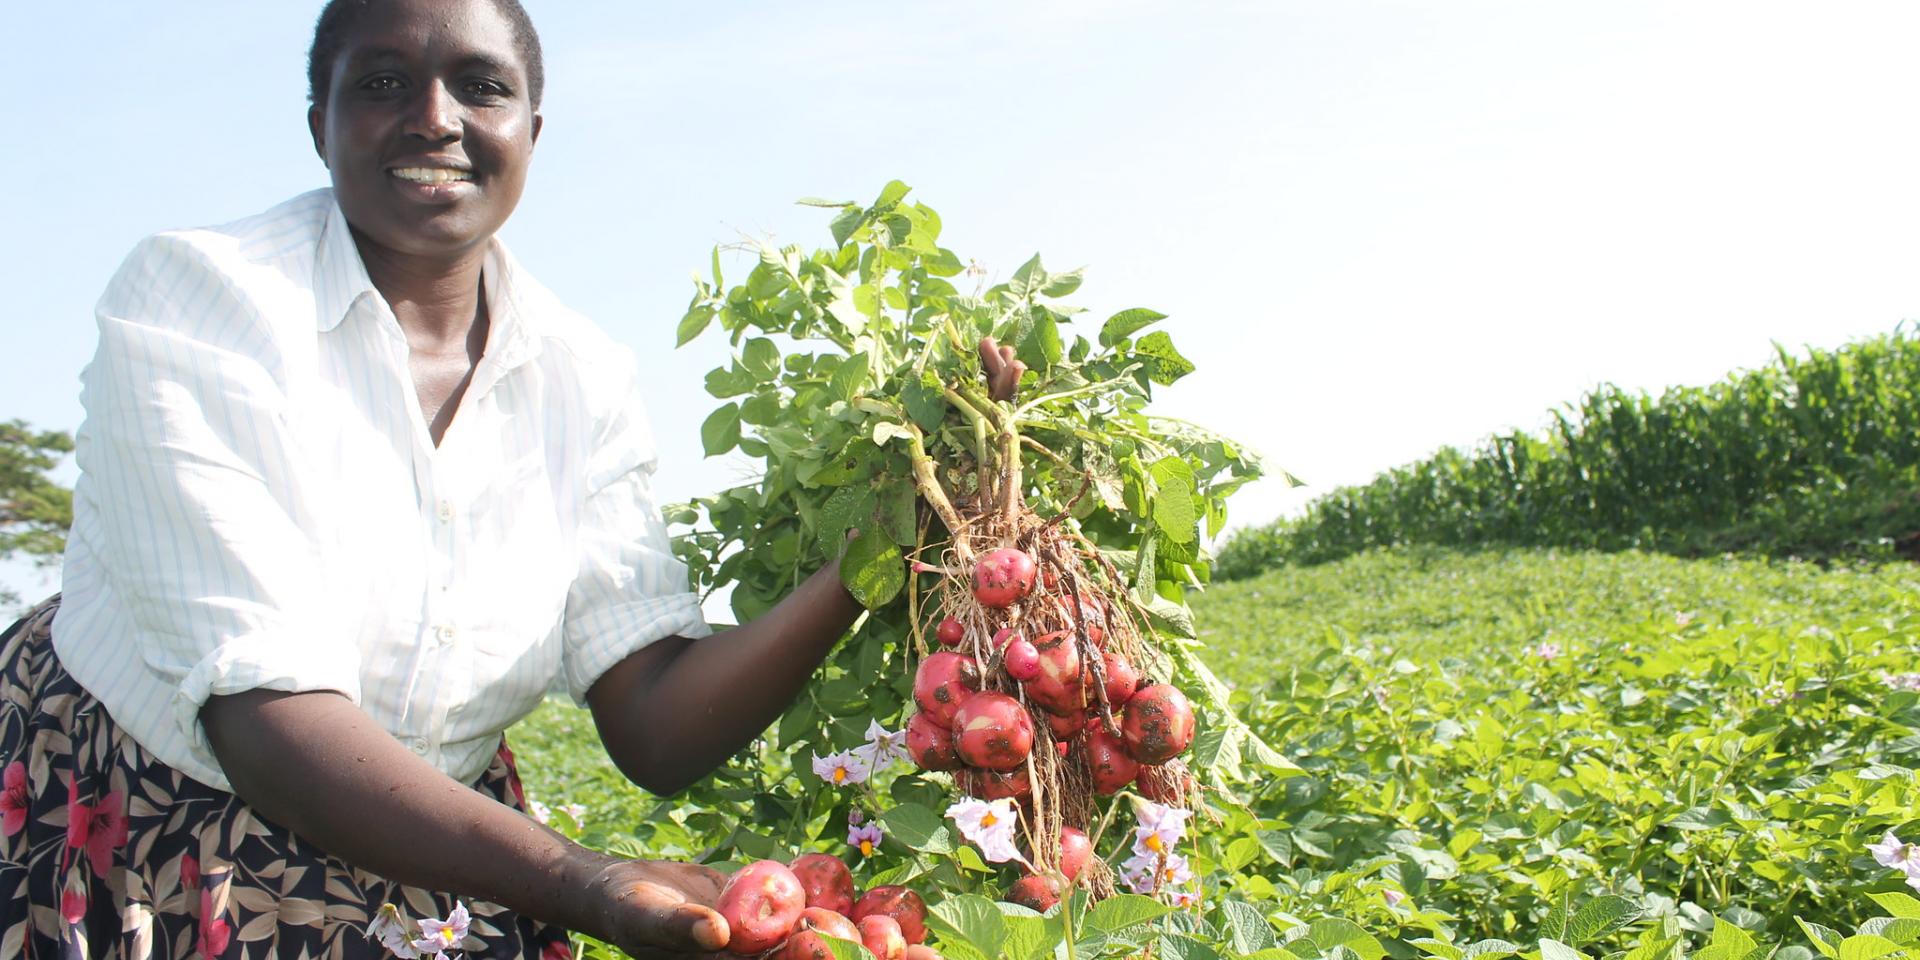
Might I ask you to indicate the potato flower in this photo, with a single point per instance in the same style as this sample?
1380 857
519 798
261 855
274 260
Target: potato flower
865 836
389 930
1174 871
1138 872
1160 828
989 826
882 749
440 936
841 769
1891 852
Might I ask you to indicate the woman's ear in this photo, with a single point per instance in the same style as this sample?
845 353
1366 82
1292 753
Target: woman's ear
317 128
538 122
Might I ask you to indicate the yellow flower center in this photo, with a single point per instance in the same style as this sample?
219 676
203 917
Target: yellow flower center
1154 844
839 774
988 819
446 933
866 848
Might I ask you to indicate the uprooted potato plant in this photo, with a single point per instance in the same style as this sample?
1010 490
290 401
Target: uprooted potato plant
998 495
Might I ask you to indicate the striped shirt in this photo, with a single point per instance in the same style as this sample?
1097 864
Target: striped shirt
261 505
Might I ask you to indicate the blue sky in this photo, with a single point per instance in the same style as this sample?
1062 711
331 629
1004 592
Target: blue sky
1378 227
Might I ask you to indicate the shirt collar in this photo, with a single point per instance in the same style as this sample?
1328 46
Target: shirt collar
339 277
340 280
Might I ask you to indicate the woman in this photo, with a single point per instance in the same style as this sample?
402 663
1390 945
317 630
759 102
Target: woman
355 493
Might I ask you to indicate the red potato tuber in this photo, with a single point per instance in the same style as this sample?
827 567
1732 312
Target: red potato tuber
881 934
943 680
1075 852
827 881
992 731
917 952
949 632
1002 577
903 905
1035 891
1107 759
1021 660
1122 679
930 744
989 785
1061 686
1158 724
761 903
806 942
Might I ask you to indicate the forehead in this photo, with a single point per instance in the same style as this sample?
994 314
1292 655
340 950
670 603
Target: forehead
430 30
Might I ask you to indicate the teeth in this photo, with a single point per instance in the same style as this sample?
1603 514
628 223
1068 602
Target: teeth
431 174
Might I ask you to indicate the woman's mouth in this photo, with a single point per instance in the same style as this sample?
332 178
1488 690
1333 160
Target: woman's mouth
432 175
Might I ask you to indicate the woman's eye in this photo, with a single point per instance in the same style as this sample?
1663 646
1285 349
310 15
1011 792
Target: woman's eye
381 84
486 88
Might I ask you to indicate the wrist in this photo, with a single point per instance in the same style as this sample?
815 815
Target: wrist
590 896
837 588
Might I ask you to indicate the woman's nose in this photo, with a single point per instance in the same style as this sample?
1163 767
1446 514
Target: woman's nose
436 115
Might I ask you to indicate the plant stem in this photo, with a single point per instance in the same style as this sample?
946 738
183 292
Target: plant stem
982 463
1010 502
987 407
1041 448
971 406
928 484
980 428
1066 921
1074 392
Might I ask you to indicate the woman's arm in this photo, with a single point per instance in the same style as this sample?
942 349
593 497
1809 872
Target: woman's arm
674 710
318 765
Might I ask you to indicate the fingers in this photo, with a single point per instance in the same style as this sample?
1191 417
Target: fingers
1001 369
663 919
700 883
989 356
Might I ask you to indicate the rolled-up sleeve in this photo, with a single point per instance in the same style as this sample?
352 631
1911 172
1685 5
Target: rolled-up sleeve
203 522
630 591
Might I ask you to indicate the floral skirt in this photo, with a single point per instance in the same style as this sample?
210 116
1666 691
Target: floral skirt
106 852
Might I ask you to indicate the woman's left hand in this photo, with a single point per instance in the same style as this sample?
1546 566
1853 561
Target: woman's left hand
659 909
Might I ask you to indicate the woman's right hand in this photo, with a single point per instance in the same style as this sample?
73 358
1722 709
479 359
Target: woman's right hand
659 909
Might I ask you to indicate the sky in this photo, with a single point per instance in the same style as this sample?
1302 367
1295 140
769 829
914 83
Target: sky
1377 227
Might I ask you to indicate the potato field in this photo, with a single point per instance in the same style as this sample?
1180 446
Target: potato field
1053 735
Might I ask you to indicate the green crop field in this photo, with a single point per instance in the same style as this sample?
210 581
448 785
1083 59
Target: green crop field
1810 456
1493 737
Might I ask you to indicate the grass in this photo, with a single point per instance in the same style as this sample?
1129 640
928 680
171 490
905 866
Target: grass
1430 601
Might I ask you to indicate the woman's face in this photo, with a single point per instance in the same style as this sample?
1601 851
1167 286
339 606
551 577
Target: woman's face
426 125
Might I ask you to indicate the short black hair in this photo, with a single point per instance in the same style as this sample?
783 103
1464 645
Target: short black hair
338 16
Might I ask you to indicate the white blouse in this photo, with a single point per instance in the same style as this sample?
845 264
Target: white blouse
260 503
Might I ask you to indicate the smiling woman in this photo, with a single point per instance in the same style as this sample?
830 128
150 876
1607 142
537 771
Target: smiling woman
356 491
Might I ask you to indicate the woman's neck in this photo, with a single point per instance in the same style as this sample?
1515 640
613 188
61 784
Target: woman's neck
435 299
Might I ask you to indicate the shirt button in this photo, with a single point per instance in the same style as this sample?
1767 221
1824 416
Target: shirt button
419 745
445 511
444 634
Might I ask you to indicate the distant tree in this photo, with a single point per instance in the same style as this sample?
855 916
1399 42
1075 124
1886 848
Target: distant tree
35 512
